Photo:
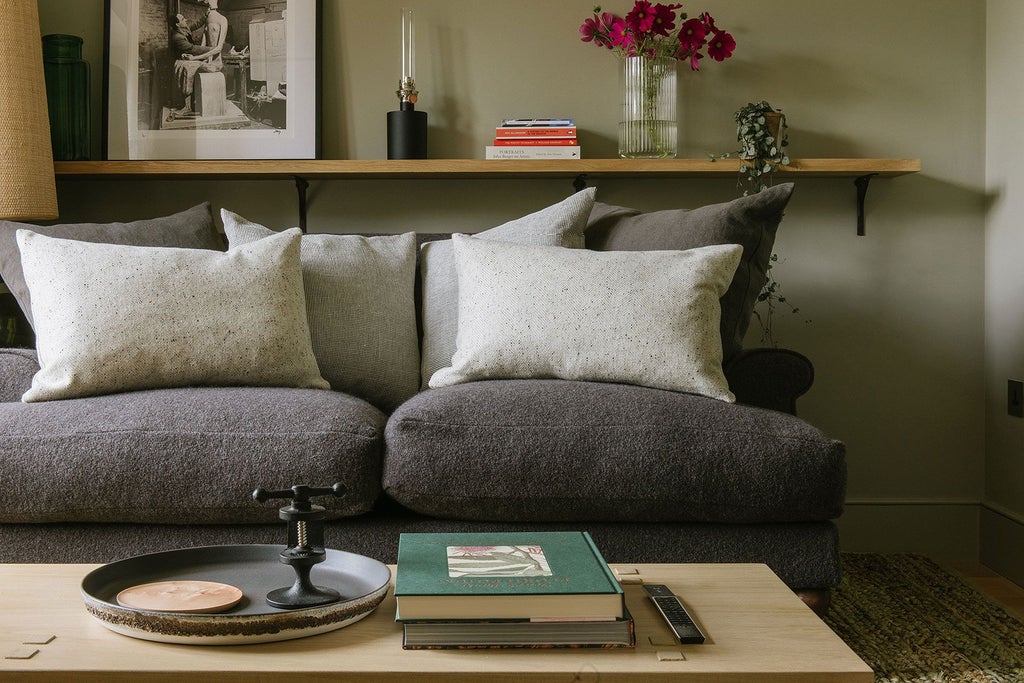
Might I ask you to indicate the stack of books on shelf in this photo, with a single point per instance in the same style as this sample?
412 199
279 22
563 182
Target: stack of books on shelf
504 590
534 139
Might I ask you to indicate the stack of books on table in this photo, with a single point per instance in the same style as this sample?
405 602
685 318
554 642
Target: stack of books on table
534 139
508 589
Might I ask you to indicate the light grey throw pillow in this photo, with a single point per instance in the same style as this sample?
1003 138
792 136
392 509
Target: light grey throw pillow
361 307
560 225
645 318
112 318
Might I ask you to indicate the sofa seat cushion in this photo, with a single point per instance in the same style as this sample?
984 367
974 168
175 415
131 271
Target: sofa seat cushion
557 450
188 456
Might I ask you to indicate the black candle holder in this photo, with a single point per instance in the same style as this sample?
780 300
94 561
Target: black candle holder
407 133
407 128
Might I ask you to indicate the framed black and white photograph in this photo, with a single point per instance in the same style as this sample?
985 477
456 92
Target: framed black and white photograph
212 79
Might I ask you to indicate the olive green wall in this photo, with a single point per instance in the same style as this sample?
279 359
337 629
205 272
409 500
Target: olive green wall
1002 534
897 317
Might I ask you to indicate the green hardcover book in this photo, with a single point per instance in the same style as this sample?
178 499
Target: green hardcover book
505 575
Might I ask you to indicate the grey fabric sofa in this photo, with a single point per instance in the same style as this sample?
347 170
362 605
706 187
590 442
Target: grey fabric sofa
106 477
653 475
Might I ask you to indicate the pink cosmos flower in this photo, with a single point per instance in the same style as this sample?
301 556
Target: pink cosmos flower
619 33
721 46
596 29
664 19
691 35
589 30
641 18
694 57
708 21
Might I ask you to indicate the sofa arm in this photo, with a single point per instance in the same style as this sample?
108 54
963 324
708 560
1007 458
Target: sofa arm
769 378
17 366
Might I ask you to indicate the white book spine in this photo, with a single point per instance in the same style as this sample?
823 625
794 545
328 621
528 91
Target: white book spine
532 152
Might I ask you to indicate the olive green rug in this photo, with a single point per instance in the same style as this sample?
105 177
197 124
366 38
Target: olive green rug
912 620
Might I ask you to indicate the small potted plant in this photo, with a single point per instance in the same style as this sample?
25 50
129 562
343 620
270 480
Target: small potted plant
761 131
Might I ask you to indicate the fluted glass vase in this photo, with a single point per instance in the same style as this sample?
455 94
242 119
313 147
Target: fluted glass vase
647 127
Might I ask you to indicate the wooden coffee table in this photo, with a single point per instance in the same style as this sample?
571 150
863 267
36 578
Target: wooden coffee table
757 629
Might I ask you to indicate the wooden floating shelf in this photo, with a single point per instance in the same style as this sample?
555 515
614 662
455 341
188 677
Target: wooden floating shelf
580 170
473 168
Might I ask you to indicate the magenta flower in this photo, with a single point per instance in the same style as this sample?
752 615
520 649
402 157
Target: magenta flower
721 46
691 36
619 34
641 18
664 19
590 30
596 29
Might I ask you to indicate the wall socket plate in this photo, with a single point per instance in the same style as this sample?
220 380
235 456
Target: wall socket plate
1015 398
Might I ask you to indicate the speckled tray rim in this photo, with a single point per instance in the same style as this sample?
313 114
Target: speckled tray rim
255 569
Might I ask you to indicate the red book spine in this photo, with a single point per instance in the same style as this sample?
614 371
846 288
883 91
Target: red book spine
535 142
536 131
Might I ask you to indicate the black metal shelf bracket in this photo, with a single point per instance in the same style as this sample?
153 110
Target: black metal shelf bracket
301 185
580 183
862 192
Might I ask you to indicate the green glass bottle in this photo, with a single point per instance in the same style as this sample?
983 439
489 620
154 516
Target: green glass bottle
67 96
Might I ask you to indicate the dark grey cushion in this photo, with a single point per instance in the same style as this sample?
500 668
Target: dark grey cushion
749 221
188 456
17 366
556 450
190 229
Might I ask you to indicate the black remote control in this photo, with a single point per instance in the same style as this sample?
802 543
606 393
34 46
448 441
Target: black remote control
675 614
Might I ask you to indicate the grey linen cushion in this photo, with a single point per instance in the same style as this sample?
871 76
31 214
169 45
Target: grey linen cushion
748 221
190 229
559 225
361 309
185 456
17 367
646 318
166 317
557 450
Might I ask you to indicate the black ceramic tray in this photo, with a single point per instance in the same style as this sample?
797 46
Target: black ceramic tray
256 570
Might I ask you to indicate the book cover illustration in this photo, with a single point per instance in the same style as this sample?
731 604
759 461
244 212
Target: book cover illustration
497 561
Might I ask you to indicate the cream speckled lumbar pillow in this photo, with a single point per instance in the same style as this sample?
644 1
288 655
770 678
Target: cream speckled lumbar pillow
646 318
560 224
361 307
111 318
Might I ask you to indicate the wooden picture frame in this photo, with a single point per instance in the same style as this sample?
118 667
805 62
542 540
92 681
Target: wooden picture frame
212 79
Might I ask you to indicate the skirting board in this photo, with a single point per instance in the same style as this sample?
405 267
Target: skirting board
944 530
1002 542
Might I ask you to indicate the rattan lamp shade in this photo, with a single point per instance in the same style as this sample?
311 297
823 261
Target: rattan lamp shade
27 188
